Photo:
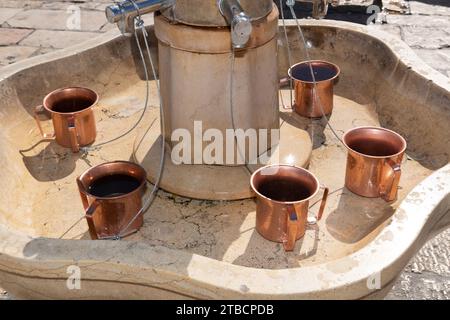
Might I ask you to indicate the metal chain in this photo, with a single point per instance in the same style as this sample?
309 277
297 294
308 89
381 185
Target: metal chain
232 65
139 23
85 150
290 4
286 38
148 202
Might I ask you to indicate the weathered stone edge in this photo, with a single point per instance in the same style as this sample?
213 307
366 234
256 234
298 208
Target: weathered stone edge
209 278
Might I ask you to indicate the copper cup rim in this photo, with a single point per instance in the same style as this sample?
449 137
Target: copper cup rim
404 143
336 67
309 173
128 163
54 92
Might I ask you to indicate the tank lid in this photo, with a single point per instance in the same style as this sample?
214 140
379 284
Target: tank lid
206 12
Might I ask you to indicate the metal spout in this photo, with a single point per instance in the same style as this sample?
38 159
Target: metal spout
123 13
240 22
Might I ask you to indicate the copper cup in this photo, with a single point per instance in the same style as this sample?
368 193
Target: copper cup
283 193
72 116
326 75
374 162
112 198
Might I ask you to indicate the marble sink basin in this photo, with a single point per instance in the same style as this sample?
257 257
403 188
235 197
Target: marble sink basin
209 249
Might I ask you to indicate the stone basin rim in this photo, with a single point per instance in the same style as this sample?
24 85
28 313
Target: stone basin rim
430 208
351 271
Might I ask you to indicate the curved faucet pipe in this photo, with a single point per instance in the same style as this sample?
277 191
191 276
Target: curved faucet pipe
124 12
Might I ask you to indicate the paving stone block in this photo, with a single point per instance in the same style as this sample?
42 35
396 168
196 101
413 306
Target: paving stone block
437 59
418 20
56 39
102 6
13 54
7 13
13 36
391 29
58 20
435 7
28 4
427 276
426 37
42 50
63 5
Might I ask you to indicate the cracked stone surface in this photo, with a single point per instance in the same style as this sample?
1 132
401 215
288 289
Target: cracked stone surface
221 230
426 30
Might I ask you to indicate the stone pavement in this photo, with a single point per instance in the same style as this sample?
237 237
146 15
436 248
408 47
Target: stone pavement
33 27
426 31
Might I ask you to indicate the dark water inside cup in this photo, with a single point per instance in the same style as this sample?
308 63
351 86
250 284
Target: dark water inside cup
374 147
321 72
113 186
72 105
284 189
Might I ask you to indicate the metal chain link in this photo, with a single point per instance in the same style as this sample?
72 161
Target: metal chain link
139 24
290 4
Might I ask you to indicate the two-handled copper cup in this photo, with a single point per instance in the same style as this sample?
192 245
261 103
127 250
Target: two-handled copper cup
374 162
283 193
72 116
112 198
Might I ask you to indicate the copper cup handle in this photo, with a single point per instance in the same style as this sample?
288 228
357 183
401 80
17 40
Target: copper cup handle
391 193
323 204
73 135
292 219
81 188
38 110
284 82
90 218
89 211
326 191
292 228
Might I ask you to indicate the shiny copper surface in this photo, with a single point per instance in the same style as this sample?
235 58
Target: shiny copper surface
72 129
374 162
305 103
284 221
108 216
